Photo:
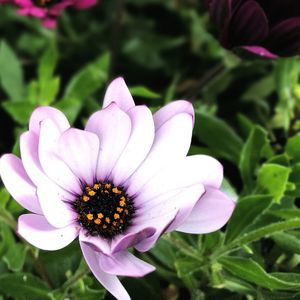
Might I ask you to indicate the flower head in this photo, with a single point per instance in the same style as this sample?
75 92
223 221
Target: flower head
121 182
47 10
262 27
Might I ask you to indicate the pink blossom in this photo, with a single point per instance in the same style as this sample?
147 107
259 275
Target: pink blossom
121 182
47 10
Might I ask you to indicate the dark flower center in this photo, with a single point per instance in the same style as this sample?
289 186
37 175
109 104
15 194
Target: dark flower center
104 210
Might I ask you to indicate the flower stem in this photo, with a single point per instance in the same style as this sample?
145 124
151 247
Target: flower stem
75 278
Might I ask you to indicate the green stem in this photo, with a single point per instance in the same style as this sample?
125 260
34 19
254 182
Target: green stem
75 278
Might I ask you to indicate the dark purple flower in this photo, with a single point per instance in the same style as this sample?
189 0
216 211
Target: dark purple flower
269 28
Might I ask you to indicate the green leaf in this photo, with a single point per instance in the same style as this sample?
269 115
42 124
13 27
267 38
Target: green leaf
19 111
15 257
251 271
251 154
11 74
274 178
292 148
219 136
23 286
70 107
287 242
142 91
88 80
247 211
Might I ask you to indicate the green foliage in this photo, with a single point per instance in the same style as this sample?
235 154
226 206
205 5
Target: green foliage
246 115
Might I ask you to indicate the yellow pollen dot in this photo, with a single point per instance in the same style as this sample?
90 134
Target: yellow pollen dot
126 211
107 220
107 185
121 221
122 203
115 223
116 216
97 221
104 226
91 193
90 216
116 191
85 198
96 186
100 215
119 209
123 198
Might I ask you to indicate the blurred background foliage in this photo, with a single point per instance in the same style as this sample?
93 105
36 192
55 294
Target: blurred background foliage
247 116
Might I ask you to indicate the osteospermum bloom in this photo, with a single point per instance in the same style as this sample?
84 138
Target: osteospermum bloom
263 27
47 10
121 182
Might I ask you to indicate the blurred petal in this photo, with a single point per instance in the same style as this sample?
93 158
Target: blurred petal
52 165
113 127
119 93
95 242
38 232
172 109
138 146
172 142
110 282
261 51
46 112
18 183
124 264
83 4
211 212
79 150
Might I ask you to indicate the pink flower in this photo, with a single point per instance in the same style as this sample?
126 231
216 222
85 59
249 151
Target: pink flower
120 183
47 10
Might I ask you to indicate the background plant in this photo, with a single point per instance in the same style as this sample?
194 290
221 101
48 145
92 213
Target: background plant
246 116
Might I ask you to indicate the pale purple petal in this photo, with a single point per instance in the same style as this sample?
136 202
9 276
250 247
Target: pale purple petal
79 150
261 51
18 183
119 93
97 243
124 264
29 154
136 234
55 203
110 282
113 128
38 232
52 165
172 142
45 112
211 212
185 172
138 146
172 109
166 212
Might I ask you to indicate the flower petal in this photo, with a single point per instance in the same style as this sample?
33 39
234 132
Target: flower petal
172 141
83 4
79 150
52 165
110 282
124 264
18 183
46 112
170 110
138 146
211 212
166 212
113 127
55 206
29 153
97 243
261 51
119 93
185 172
37 231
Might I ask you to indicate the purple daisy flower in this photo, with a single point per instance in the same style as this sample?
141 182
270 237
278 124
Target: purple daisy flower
121 182
47 10
262 27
